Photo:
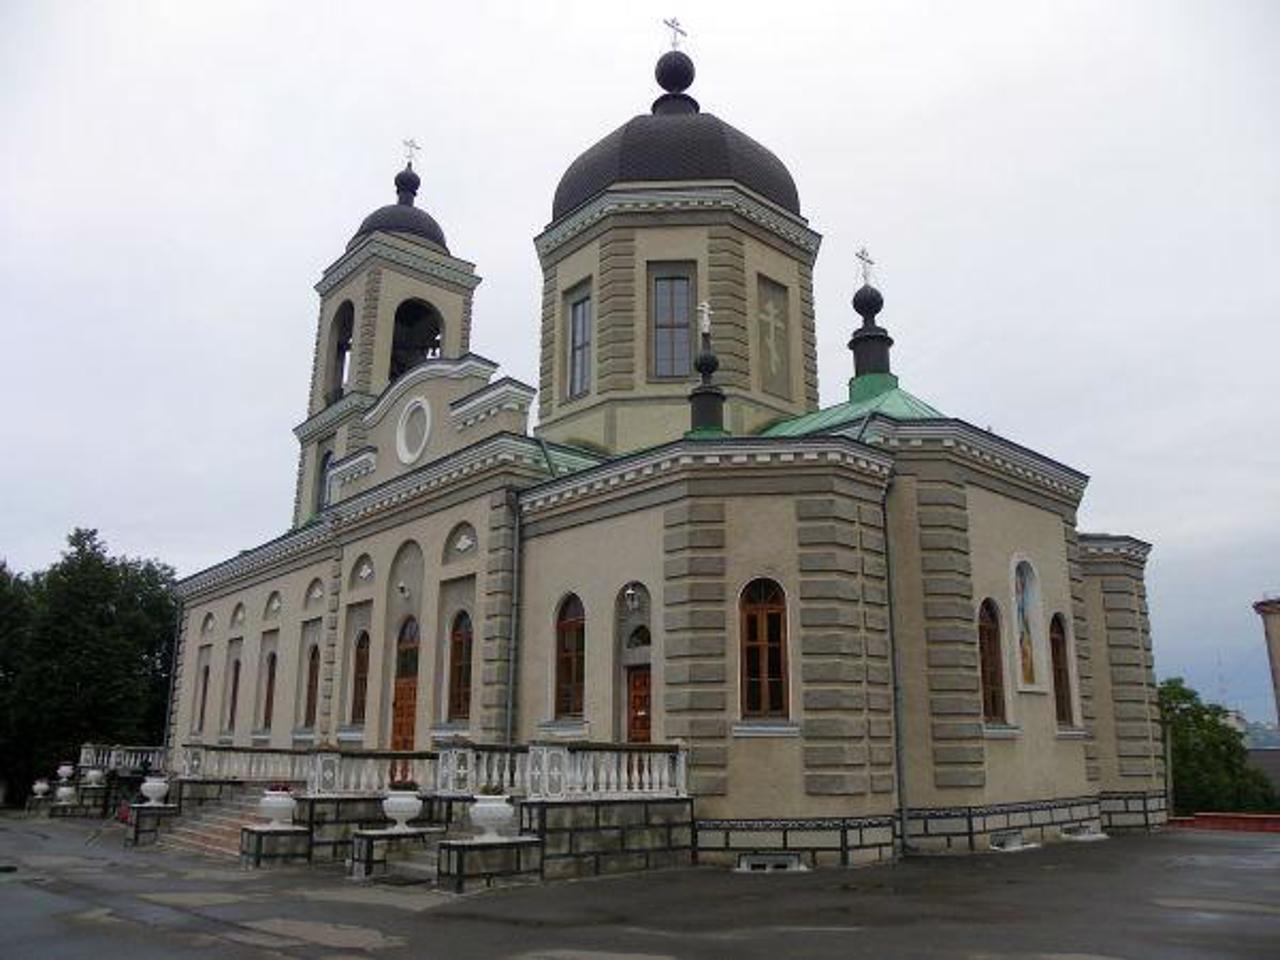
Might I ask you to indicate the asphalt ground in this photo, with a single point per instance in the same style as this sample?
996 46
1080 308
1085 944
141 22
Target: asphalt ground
75 892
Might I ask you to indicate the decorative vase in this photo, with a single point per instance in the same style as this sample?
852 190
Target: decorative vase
93 777
401 806
40 788
155 789
65 770
278 806
494 816
65 793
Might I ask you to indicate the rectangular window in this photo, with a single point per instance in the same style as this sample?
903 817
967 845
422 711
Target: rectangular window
579 380
671 292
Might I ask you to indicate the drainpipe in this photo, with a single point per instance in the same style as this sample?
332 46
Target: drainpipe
899 746
513 504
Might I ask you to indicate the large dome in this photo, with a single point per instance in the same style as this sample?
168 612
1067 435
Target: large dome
403 216
675 142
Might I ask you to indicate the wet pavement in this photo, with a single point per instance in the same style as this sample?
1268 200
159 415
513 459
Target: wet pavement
75 892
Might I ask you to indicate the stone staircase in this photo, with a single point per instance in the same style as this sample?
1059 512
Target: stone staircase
213 829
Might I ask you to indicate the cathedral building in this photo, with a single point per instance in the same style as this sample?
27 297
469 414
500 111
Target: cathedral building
873 618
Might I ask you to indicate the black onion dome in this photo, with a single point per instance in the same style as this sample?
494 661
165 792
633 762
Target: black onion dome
402 216
867 302
675 142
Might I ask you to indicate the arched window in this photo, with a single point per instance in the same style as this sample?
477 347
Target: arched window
269 696
235 694
204 695
322 480
360 679
1024 592
416 337
313 686
571 649
639 637
764 650
407 650
991 663
338 374
1061 672
460 668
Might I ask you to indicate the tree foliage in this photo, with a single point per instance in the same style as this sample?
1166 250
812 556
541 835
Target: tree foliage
85 654
1211 769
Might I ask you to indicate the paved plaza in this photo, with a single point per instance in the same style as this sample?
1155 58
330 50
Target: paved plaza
70 890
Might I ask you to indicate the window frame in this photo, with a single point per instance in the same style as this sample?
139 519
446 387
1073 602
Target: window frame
234 695
269 695
656 272
570 659
1060 673
360 679
757 612
574 387
461 648
991 653
311 702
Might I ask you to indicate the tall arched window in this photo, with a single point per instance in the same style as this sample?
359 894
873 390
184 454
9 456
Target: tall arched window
336 377
269 695
416 337
460 667
360 679
322 480
204 695
235 694
1061 672
764 650
407 650
1026 597
313 687
571 650
991 663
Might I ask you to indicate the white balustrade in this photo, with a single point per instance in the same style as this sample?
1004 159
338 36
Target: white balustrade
568 772
469 770
105 757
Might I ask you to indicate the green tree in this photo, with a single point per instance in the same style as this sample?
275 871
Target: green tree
91 664
1210 763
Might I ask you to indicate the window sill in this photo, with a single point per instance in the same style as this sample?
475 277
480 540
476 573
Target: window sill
351 734
765 729
1001 731
566 728
1072 733
261 736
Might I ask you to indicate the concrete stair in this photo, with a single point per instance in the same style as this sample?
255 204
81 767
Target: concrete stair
213 829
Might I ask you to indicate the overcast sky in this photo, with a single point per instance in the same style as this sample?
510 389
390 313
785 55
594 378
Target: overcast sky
1075 208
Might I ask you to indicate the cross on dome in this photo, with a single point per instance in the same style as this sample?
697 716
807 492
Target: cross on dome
865 263
677 32
410 148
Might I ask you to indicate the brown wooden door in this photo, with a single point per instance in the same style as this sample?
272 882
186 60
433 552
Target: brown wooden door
403 711
637 704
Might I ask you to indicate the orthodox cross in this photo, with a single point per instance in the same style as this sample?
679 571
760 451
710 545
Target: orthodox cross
774 325
410 148
704 318
865 264
677 32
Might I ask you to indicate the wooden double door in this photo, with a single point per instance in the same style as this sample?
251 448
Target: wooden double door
638 704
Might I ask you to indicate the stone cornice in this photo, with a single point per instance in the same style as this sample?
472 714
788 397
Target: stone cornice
970 443
350 468
468 365
332 415
1112 546
505 394
729 453
713 196
282 548
378 246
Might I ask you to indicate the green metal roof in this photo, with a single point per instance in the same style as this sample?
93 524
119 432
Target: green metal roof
868 394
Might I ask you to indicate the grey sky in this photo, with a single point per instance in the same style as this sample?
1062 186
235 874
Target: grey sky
1075 208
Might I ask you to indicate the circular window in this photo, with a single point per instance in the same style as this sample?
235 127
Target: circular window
413 429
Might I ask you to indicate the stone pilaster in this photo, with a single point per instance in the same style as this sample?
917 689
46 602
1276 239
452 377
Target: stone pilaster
695 627
616 318
727 285
176 681
1084 651
330 711
951 638
495 642
464 333
808 338
547 354
844 667
367 331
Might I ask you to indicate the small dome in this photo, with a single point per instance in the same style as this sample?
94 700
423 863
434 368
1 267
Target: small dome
868 302
402 216
676 141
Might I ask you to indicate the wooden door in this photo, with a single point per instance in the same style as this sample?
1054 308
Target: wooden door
404 702
638 704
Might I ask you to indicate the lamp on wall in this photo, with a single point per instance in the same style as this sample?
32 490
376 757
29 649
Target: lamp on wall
631 597
402 589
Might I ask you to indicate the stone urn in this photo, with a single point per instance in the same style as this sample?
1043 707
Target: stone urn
93 777
401 806
66 769
155 789
40 788
278 806
65 793
494 815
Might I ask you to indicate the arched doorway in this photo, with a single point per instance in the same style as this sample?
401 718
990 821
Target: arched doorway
634 642
404 704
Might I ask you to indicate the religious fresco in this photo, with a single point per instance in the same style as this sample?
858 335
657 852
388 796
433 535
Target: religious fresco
773 325
1023 595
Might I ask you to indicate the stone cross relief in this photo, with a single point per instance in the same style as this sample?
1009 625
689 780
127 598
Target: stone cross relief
774 325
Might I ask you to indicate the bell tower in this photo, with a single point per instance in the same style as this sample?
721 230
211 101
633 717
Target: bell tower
395 299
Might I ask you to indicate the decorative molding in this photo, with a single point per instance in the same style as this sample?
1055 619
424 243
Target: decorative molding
349 469
375 247
724 195
747 729
365 570
736 452
437 368
970 443
409 454
1097 546
505 394
322 422
464 542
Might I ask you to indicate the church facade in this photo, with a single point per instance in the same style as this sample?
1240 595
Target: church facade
871 617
